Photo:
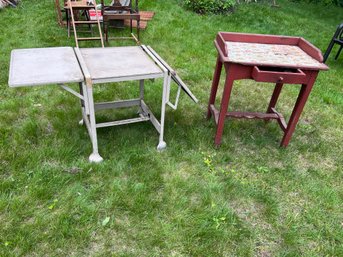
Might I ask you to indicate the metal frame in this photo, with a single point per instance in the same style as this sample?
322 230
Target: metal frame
173 76
88 106
336 39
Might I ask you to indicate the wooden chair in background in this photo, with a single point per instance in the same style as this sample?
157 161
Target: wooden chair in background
120 10
74 11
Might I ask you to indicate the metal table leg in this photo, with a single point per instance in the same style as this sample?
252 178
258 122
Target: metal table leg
90 123
166 83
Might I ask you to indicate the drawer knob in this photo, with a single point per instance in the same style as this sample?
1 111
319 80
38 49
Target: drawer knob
280 79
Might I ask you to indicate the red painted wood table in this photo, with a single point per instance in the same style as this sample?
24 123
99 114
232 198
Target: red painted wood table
264 58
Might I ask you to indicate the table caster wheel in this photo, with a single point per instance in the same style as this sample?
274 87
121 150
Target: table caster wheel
95 157
161 146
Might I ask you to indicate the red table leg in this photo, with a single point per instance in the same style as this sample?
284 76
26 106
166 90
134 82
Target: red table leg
275 97
230 72
299 105
216 78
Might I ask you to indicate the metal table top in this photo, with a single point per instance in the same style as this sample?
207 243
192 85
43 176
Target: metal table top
119 64
41 66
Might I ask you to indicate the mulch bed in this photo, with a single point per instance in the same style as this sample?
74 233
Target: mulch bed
145 17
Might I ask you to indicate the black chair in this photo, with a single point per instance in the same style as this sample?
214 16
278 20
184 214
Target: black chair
336 39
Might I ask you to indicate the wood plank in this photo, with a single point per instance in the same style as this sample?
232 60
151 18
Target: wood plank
252 115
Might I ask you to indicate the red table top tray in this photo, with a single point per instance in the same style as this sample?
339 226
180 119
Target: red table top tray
269 50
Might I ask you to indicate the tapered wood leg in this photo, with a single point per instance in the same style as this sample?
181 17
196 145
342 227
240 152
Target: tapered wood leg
224 106
68 22
131 26
275 97
138 29
299 106
106 30
215 82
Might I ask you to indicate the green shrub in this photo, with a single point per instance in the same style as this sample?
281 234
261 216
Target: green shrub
210 6
325 2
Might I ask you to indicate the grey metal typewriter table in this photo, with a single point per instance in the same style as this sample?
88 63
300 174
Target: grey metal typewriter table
90 66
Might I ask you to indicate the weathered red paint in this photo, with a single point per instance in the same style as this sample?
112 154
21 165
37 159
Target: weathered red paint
290 74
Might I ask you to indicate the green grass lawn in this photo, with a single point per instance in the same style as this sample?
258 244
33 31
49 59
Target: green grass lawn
247 198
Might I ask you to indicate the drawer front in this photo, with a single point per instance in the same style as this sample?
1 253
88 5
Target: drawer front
278 75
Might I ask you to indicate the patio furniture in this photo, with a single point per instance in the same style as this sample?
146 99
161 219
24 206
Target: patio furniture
83 6
336 39
119 11
264 58
59 8
91 66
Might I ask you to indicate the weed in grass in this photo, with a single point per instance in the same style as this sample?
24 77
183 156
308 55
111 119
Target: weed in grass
53 204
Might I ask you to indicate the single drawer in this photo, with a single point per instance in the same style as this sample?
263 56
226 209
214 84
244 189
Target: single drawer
278 75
